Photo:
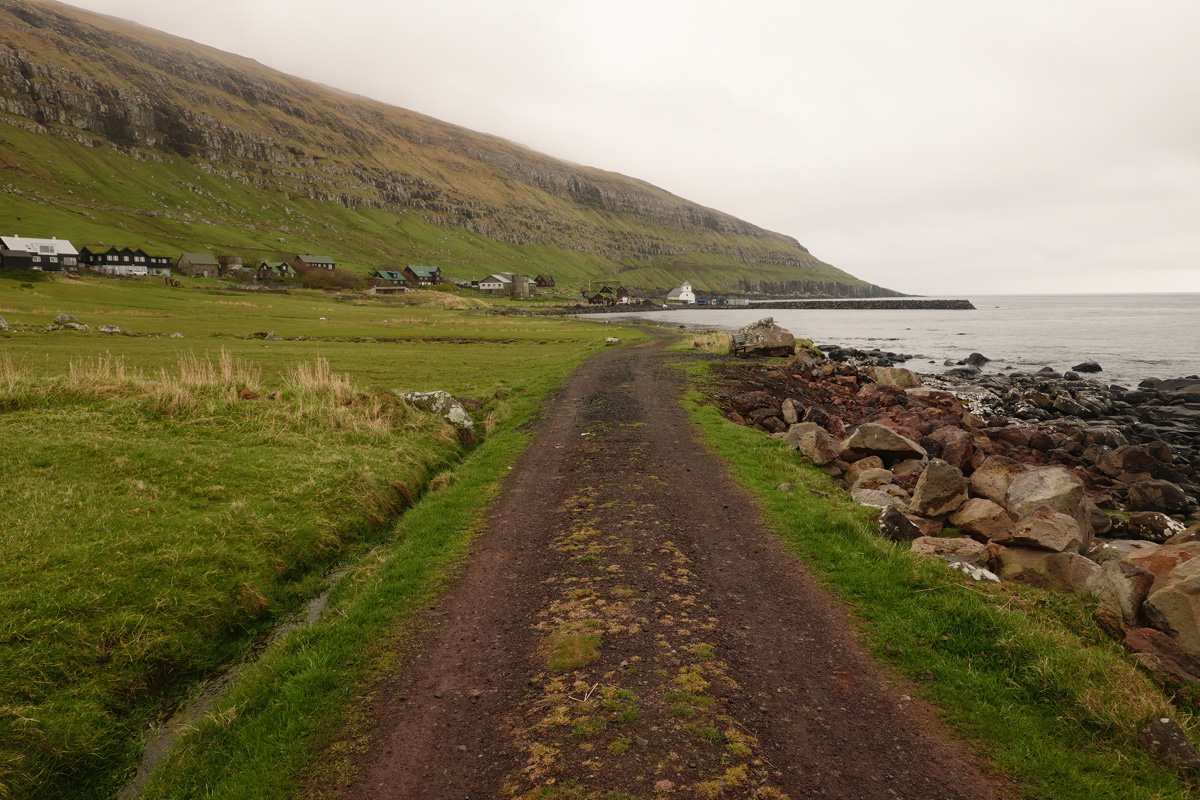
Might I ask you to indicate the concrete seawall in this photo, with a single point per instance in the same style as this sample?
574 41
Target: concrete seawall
904 304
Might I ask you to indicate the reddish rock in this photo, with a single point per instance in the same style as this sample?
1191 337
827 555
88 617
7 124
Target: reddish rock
1161 561
1126 458
1165 659
956 447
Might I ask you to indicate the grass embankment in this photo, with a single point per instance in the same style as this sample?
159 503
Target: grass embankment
1027 675
170 500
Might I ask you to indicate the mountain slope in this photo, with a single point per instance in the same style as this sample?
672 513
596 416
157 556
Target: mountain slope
114 126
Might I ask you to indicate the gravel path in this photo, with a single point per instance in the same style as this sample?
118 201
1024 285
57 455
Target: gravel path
628 628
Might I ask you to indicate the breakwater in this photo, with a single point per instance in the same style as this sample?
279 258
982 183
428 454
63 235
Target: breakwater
877 304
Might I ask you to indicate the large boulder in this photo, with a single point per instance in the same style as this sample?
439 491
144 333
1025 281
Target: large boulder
1156 495
992 477
954 550
1167 741
956 447
1110 549
872 479
1122 587
1161 562
894 377
1152 526
941 490
444 404
768 339
982 519
862 465
792 411
1056 488
1046 530
1067 572
796 432
873 439
881 497
1175 608
1126 459
816 445
894 524
1165 659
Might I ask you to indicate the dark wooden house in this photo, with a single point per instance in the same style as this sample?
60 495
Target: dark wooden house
544 281
416 277
304 262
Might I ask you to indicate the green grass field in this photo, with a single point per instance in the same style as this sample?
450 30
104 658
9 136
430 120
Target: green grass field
170 500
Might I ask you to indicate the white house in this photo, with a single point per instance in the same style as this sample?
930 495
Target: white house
497 283
50 255
683 296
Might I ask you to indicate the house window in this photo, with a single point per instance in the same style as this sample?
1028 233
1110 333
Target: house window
37 259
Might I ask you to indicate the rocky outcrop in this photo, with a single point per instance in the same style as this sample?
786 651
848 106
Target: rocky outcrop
765 338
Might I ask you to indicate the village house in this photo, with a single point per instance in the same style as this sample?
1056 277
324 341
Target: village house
683 296
198 265
125 261
498 283
388 277
416 277
544 282
507 284
274 271
303 262
48 255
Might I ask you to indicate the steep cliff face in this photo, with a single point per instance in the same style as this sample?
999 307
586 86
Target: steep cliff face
100 82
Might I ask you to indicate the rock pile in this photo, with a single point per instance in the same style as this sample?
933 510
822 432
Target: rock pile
1050 499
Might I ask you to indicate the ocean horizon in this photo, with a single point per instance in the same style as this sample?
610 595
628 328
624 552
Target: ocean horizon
1131 336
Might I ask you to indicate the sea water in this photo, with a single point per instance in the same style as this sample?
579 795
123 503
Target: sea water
1131 336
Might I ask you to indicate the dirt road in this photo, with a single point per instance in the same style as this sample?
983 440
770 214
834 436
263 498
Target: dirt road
627 628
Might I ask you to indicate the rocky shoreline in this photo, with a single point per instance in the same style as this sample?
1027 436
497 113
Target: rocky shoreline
1057 481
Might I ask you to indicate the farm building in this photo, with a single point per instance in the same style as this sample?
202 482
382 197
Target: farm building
198 265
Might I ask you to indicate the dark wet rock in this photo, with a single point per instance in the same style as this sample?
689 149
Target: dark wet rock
895 525
1157 495
977 359
1152 526
1088 366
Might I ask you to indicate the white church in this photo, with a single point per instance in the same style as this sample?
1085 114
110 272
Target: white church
683 296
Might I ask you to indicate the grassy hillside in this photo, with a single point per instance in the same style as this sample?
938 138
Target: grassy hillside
117 134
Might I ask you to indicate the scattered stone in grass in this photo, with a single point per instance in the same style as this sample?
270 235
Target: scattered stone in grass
1166 741
786 487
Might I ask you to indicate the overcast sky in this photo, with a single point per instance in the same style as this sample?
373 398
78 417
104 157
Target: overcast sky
930 146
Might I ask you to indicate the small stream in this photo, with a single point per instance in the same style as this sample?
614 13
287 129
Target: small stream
164 735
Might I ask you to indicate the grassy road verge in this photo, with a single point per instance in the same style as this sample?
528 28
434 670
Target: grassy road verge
1026 675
